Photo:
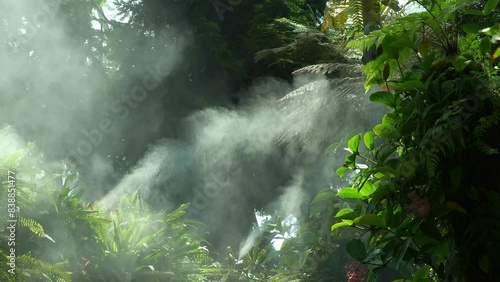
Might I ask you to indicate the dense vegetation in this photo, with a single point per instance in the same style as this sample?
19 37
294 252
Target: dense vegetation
423 195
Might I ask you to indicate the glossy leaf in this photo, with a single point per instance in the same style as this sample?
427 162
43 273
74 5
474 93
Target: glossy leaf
354 143
350 193
346 214
339 225
367 189
369 140
342 170
370 219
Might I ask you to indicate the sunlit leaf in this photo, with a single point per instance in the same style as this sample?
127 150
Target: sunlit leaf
346 214
369 140
339 225
367 189
350 193
341 171
370 219
353 143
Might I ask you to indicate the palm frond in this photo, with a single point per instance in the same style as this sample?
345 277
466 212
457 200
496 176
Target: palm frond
333 69
323 104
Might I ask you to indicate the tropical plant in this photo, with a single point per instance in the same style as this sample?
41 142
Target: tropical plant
86 244
426 192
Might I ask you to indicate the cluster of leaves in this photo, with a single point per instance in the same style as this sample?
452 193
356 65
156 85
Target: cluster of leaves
426 190
87 244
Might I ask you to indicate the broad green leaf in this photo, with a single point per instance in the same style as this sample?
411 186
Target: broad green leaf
350 193
460 64
384 97
490 5
485 45
391 51
327 195
422 274
411 85
354 143
341 171
346 214
369 140
385 131
367 189
471 28
389 118
401 43
351 161
370 219
356 249
339 225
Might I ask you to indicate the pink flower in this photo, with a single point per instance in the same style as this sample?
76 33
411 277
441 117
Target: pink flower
354 272
420 206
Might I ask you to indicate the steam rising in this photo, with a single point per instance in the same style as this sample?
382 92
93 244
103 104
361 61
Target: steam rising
225 161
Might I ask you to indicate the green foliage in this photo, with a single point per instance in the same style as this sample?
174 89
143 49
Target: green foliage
420 212
86 244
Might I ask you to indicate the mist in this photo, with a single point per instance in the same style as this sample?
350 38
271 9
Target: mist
148 130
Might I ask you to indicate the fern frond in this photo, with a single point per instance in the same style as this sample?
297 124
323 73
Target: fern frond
39 268
431 160
33 226
370 12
